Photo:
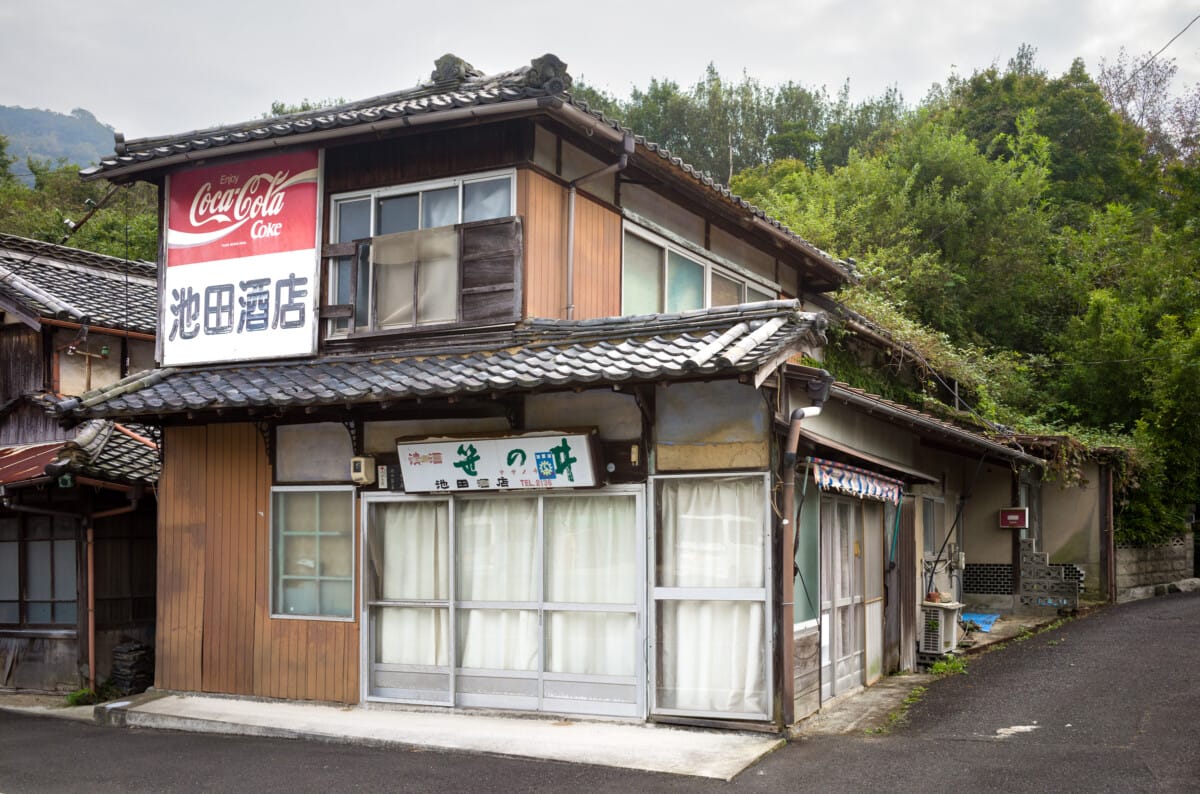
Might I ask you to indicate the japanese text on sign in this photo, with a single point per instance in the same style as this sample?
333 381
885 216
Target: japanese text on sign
559 460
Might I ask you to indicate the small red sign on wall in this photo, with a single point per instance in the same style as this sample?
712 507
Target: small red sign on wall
1014 518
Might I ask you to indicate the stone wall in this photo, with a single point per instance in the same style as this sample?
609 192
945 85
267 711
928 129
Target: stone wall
1143 567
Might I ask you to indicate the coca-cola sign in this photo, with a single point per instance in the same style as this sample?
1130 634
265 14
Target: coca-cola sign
243 209
241 280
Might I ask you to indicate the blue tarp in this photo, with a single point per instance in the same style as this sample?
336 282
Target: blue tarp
983 621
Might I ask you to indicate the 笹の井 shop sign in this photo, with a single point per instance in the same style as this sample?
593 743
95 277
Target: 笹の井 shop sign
530 461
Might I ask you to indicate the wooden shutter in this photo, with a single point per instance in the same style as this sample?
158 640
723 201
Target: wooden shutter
490 271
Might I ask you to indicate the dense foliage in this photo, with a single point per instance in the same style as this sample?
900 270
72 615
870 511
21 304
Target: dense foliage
1032 237
125 226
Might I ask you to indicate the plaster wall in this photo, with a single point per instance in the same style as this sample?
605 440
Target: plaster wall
711 426
1071 525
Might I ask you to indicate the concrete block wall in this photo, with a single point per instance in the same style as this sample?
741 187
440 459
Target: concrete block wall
1142 567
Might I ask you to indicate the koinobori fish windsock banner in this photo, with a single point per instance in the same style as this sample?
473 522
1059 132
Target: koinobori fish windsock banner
242 268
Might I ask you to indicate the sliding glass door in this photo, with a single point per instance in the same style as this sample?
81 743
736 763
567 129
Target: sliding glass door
525 602
712 607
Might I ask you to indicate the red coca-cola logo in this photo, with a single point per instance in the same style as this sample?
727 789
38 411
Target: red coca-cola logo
244 209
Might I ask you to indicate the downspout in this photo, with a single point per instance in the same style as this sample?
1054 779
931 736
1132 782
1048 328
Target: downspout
818 393
627 149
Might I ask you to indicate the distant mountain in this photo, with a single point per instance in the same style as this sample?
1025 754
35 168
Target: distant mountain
47 135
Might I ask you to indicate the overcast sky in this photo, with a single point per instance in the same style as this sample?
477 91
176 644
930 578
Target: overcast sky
164 67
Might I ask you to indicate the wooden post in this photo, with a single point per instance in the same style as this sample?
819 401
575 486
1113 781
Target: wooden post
91 606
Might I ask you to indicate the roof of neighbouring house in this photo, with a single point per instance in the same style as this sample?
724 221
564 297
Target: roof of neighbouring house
46 280
100 449
1001 447
721 342
454 85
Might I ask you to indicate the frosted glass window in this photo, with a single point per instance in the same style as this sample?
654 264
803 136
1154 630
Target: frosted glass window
313 552
685 283
641 277
439 207
486 200
10 555
725 291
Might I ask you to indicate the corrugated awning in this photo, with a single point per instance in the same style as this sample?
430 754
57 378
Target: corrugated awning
831 476
26 462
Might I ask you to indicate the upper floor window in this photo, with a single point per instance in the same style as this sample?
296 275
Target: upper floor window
660 276
406 270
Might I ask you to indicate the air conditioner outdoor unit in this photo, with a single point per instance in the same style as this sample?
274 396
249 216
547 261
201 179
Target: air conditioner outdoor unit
939 633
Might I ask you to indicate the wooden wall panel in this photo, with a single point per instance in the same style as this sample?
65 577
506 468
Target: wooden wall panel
542 204
215 630
181 560
229 585
597 260
414 158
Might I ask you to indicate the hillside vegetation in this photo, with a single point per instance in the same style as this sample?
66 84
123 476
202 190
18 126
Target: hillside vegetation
1032 237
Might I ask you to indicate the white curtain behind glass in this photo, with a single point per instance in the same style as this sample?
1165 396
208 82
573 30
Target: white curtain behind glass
409 550
497 561
711 653
591 558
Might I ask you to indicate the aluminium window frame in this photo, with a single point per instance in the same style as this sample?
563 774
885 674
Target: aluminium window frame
705 259
272 550
755 595
374 196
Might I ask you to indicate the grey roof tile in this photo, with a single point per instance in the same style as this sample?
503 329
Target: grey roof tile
537 355
49 280
471 88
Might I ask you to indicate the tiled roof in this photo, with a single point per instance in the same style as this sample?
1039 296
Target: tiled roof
100 449
454 85
997 447
48 280
115 452
725 342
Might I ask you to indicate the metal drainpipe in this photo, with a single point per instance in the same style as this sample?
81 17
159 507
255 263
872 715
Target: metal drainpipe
617 167
818 392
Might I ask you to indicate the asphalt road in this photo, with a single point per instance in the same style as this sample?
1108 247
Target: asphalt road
1104 703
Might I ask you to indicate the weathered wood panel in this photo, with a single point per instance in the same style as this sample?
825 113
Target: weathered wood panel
229 587
182 518
395 161
22 365
216 633
597 260
543 205
490 264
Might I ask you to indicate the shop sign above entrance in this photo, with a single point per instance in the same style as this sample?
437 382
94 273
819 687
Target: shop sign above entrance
528 461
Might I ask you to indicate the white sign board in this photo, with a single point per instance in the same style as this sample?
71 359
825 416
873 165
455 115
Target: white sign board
241 276
528 461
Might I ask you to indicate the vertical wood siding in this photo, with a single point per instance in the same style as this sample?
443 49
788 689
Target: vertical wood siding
215 630
597 260
543 205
